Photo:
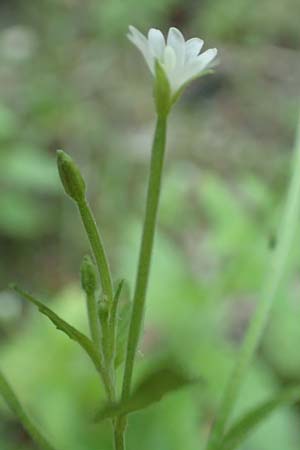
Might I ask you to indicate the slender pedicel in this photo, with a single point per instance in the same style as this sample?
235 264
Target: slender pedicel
174 64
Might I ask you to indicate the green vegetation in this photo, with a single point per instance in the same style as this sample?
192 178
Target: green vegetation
69 79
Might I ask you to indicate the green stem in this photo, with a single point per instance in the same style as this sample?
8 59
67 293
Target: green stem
119 433
119 440
101 259
273 283
11 399
153 194
94 323
154 186
105 377
97 248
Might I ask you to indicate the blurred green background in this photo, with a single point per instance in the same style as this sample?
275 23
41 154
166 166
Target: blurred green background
70 79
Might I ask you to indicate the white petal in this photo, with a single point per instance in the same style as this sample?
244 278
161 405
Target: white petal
192 48
169 59
176 41
156 43
141 42
199 64
206 58
136 36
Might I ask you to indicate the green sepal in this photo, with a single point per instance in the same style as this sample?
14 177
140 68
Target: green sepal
162 91
88 275
70 176
150 390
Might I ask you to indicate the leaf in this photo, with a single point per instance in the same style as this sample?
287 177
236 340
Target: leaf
115 306
239 431
62 325
119 320
122 332
119 288
150 390
13 402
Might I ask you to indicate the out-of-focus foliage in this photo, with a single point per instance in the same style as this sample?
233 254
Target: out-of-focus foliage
252 22
69 79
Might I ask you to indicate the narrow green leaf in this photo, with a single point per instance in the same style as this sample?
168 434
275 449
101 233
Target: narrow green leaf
275 277
63 326
150 390
14 404
120 285
113 321
73 334
239 431
123 320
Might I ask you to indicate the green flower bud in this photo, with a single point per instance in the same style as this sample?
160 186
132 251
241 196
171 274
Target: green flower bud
88 275
70 176
103 306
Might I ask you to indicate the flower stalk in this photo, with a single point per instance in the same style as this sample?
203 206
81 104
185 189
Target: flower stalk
75 187
97 247
144 264
153 194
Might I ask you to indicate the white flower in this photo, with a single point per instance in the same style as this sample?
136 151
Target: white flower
180 59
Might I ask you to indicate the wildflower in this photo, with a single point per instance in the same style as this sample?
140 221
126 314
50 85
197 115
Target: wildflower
181 60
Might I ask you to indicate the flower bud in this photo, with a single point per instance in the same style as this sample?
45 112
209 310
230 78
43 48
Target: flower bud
103 308
70 176
88 275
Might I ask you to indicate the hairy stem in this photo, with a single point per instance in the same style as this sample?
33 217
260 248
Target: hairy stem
274 279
